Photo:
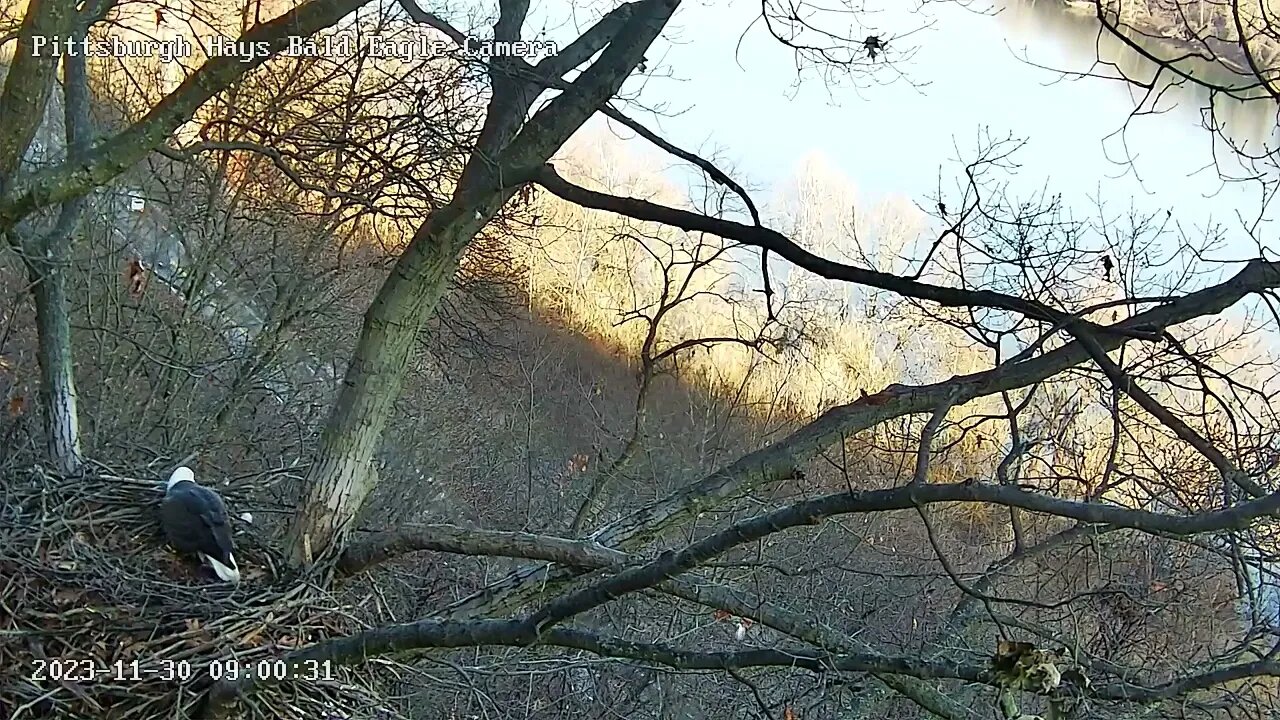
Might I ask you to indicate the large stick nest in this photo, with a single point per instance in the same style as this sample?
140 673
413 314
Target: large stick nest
85 575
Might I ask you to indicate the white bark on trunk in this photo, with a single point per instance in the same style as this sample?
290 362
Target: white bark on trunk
58 399
48 260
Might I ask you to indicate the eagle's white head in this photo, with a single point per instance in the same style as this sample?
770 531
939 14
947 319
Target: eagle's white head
182 474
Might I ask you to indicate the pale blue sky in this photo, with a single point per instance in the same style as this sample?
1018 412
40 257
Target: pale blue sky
894 138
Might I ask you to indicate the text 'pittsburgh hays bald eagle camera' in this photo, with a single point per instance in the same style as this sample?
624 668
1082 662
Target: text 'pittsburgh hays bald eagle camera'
195 521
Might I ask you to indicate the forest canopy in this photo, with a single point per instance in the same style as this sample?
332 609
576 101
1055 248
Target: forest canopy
513 418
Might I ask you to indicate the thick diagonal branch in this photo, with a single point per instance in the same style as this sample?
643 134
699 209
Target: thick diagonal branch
774 241
812 512
112 157
781 459
452 634
508 150
29 83
383 546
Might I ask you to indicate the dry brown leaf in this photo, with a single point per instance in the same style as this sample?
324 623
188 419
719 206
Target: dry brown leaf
788 713
135 278
253 638
17 405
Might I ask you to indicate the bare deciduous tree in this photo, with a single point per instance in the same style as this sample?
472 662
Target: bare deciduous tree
1120 446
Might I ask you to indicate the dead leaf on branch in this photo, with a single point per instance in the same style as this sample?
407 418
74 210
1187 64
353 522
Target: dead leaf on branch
1011 651
1021 666
135 278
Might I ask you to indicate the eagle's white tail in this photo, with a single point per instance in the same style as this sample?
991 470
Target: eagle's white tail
228 574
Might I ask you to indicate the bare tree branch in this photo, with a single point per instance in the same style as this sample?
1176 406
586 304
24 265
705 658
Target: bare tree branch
921 475
1130 387
774 241
781 460
383 546
116 154
29 83
812 512
445 634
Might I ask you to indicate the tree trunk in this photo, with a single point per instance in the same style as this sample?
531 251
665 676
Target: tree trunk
48 260
342 477
58 399
25 96
508 153
29 83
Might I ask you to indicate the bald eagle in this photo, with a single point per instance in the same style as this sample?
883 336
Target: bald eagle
195 521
